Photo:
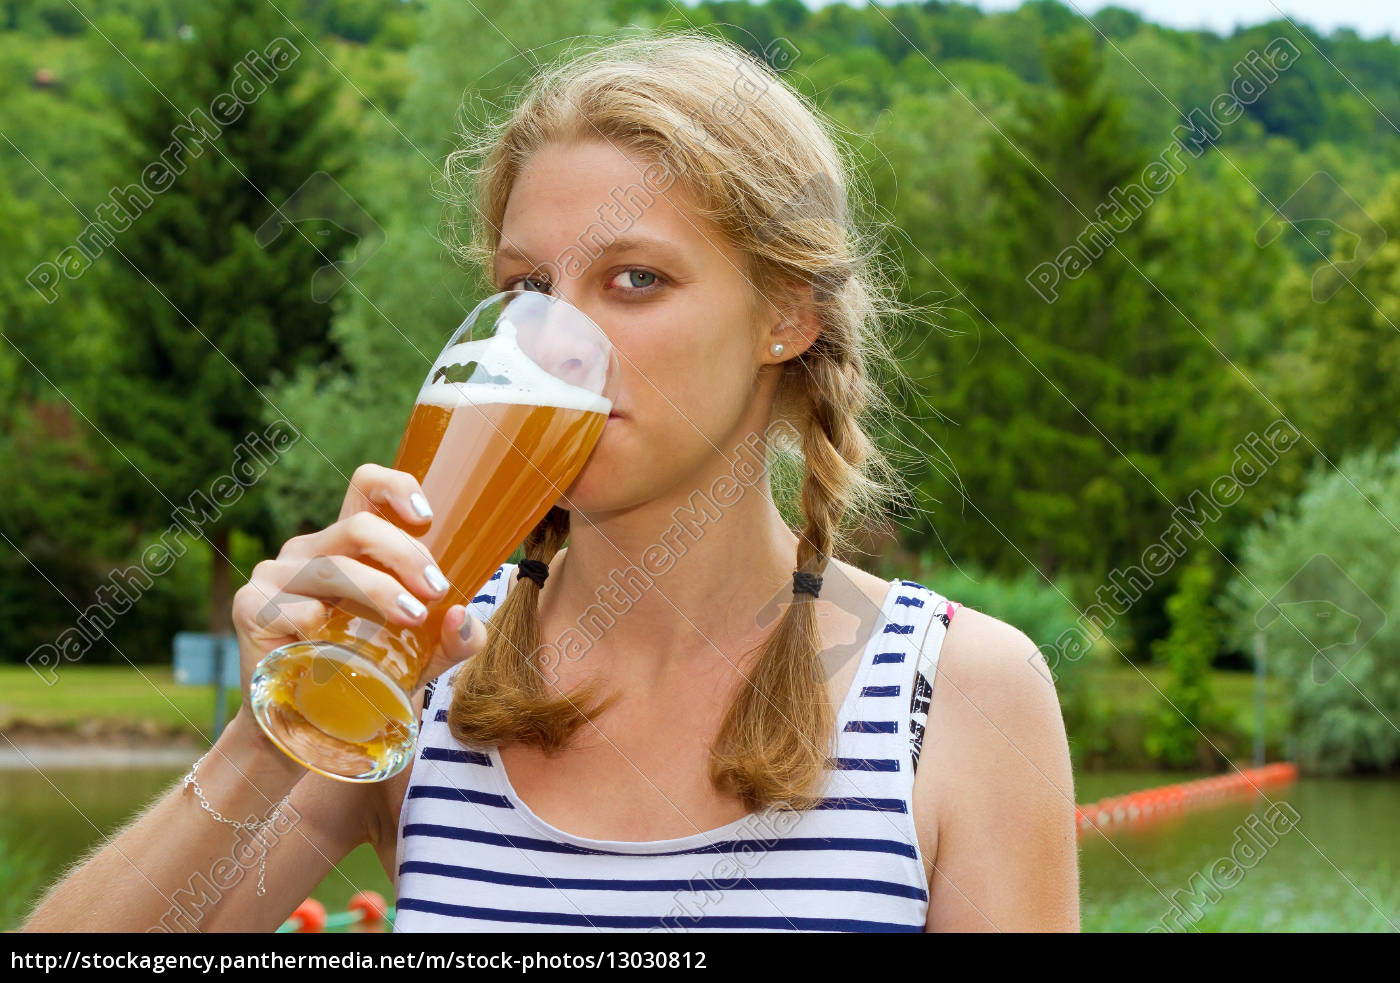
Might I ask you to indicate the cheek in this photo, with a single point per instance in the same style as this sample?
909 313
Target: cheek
665 438
686 380
692 382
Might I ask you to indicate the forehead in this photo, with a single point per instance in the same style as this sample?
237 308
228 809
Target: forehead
566 192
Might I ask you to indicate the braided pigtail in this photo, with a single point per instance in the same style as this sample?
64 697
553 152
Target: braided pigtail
501 694
775 743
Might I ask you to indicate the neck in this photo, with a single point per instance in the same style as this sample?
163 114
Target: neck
684 573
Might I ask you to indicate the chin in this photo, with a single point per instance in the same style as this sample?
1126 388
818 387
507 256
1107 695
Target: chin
621 474
602 484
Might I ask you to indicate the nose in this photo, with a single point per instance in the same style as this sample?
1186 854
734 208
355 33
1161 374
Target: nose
563 341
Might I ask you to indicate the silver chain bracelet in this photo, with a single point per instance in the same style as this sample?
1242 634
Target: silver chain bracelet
255 828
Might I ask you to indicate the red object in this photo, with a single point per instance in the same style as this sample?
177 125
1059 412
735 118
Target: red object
370 905
310 916
1139 806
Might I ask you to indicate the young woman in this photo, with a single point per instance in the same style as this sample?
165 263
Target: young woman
699 763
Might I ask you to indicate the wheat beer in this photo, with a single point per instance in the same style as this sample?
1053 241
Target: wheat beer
494 440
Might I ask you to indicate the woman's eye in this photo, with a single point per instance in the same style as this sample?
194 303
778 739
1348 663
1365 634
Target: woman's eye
535 283
635 279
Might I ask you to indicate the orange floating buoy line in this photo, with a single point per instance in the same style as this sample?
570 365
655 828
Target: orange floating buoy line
1153 803
366 912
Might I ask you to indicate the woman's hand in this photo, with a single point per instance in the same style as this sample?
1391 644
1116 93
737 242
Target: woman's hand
363 562
367 562
462 637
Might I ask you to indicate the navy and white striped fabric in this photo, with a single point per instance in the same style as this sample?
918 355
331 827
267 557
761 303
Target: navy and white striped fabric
473 857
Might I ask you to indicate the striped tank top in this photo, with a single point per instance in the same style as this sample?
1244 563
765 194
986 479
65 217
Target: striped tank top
473 857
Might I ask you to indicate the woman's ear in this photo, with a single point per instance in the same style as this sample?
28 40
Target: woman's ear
793 326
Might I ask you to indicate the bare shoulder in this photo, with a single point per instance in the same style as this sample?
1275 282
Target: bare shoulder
995 665
994 793
992 694
993 705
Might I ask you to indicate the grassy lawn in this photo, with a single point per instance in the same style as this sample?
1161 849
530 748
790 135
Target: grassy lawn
106 694
1134 690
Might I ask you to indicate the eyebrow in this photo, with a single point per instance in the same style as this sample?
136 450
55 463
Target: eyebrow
621 244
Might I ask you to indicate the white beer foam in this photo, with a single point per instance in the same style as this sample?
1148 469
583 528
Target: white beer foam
529 385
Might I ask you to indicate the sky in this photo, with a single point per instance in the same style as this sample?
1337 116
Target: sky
1369 18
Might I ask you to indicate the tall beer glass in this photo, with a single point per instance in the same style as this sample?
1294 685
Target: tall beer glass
508 415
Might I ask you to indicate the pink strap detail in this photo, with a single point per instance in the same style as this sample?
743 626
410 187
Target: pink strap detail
953 609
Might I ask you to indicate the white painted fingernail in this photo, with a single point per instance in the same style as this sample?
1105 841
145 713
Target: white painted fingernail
420 505
411 605
435 578
466 630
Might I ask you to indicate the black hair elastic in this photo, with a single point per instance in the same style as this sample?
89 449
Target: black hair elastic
806 583
536 570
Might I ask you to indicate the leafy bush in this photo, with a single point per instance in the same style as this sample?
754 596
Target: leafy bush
1042 610
1178 734
1320 581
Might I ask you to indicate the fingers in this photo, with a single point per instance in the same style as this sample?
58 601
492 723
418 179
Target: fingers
285 616
462 635
364 534
384 491
454 646
340 580
368 563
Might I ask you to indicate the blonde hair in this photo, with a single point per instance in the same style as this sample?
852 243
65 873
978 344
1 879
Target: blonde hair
765 167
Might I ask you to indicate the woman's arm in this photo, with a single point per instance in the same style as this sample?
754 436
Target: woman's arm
998 786
177 868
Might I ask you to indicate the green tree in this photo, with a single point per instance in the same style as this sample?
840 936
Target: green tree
53 511
1318 582
206 317
1292 104
22 309
61 527
1077 363
358 20
1175 734
1338 367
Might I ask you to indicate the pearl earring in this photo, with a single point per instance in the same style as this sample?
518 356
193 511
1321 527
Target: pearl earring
777 348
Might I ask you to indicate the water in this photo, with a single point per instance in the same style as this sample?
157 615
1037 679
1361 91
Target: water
1335 870
49 820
